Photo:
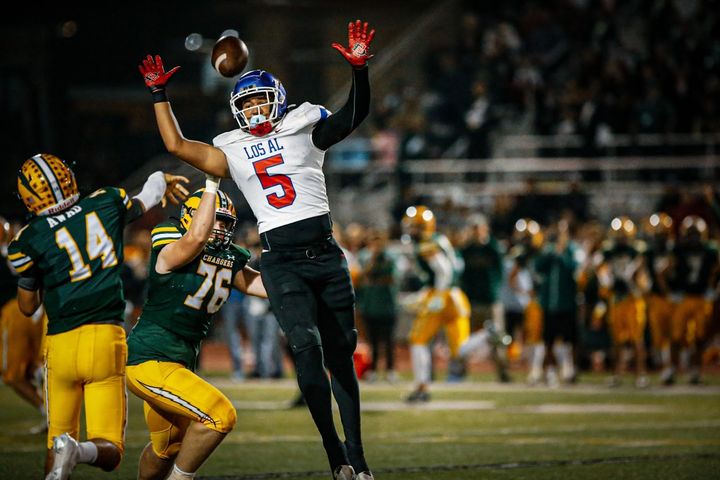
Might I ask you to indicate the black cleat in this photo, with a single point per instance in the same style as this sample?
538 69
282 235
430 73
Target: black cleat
418 396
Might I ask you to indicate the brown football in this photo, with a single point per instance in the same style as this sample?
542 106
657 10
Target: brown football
229 56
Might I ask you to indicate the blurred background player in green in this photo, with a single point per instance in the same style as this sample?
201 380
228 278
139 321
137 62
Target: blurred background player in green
481 280
694 271
377 304
556 268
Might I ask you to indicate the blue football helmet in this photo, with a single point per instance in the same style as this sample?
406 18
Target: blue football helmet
258 83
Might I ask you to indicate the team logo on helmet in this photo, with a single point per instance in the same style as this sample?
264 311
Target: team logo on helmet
46 184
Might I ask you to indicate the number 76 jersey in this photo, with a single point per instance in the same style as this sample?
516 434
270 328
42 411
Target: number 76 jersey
77 255
280 174
183 301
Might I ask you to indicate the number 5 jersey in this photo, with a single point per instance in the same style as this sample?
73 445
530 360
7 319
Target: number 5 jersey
280 174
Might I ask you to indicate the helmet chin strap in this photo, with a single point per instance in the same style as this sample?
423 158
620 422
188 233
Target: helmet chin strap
259 125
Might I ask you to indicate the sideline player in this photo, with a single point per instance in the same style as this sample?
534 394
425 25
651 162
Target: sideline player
694 270
624 281
441 304
68 257
276 159
193 265
21 338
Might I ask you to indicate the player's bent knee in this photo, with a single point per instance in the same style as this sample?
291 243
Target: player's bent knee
303 337
228 419
224 417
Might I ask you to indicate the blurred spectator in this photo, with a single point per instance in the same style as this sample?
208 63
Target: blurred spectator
233 314
481 280
265 338
479 121
134 273
556 268
377 301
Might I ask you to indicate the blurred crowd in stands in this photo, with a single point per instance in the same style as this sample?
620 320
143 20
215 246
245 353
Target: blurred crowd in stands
591 68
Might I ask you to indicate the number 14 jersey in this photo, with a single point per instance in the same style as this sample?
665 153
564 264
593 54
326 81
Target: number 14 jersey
77 255
280 174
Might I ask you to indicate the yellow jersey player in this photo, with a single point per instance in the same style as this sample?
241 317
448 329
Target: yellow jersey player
21 337
69 256
193 266
441 303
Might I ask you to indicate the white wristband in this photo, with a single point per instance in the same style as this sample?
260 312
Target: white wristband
212 184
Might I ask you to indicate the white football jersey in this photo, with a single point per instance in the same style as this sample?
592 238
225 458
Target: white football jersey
280 174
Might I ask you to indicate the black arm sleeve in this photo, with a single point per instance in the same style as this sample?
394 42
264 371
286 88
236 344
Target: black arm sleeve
340 124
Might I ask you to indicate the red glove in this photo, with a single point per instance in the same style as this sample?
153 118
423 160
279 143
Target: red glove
155 76
358 43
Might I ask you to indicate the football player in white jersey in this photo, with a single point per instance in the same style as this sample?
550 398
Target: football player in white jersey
276 159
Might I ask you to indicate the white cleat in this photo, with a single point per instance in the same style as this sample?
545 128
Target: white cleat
344 472
66 451
642 382
366 475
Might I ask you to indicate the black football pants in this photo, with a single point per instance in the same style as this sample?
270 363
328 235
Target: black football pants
313 300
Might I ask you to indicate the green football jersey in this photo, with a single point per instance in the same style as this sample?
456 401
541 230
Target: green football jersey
483 274
77 255
180 306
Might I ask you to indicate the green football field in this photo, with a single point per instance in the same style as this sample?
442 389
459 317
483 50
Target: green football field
471 430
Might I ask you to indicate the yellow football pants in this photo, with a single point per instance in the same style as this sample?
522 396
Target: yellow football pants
88 361
452 312
21 342
691 320
628 318
660 312
174 396
533 327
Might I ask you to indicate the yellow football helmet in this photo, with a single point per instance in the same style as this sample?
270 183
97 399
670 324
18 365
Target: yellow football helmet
46 184
419 220
659 223
224 210
528 231
694 225
623 227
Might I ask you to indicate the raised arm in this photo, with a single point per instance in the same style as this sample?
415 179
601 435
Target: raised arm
200 155
339 125
178 254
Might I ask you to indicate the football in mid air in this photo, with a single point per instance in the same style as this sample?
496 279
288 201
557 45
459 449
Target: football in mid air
229 55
